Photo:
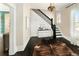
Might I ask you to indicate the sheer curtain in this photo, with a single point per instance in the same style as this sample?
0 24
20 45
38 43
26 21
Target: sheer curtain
75 25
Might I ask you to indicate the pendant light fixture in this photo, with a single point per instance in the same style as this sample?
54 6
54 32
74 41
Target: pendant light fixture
51 7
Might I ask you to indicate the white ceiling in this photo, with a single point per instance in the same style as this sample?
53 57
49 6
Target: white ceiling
58 6
4 7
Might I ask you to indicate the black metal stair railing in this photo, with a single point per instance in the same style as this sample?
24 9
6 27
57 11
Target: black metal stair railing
44 14
53 26
50 21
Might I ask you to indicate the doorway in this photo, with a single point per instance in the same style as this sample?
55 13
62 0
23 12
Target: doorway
4 29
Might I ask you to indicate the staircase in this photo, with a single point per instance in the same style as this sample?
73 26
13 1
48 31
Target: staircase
42 15
56 32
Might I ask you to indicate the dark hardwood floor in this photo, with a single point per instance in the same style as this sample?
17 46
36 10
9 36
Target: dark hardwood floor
29 48
34 40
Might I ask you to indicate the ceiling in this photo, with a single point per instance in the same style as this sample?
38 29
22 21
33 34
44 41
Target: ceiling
58 6
4 7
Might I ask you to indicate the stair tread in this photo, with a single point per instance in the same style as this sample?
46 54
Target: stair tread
57 30
58 34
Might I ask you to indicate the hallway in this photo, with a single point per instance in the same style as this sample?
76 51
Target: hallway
31 24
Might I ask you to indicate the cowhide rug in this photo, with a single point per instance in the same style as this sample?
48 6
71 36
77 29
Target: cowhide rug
53 49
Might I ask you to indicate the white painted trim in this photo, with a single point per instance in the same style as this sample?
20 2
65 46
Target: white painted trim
15 47
12 39
12 49
20 48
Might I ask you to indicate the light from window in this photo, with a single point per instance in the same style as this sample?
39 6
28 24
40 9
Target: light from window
58 18
75 22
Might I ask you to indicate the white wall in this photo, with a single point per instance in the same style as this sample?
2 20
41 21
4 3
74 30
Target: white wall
26 24
65 23
36 22
48 13
39 5
19 26
12 39
19 29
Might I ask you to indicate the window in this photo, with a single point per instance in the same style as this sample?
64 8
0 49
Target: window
2 22
4 10
75 23
58 18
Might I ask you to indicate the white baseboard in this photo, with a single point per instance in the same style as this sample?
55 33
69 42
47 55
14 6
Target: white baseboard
11 52
20 48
